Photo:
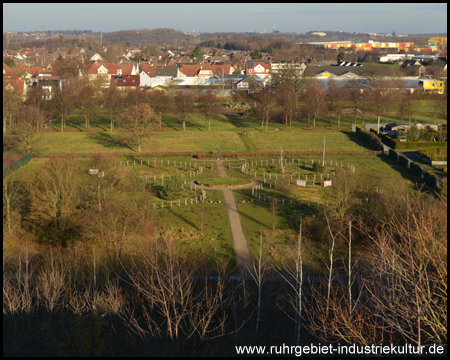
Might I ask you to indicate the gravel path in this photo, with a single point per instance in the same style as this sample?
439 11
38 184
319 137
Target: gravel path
243 257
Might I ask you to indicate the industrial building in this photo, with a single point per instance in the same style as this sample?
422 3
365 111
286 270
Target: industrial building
363 46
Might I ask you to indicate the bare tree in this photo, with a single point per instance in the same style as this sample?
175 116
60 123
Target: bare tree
411 105
401 104
11 103
259 277
27 130
160 103
264 106
55 196
63 102
341 194
87 101
288 100
294 270
12 201
140 121
290 75
354 94
330 98
112 100
209 105
386 94
183 102
315 96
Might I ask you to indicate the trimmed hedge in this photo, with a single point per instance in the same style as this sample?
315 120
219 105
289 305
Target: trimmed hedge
416 169
393 154
419 144
404 161
387 140
370 138
431 179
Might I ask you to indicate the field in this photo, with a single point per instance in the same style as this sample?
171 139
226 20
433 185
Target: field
204 227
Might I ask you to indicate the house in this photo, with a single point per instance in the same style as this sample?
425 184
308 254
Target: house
189 70
93 56
334 72
105 70
150 69
210 70
16 85
158 75
260 68
250 84
126 82
49 82
431 86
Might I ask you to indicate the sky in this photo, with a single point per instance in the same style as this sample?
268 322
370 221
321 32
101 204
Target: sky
403 18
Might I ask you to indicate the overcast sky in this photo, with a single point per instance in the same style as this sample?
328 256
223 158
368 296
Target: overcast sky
403 18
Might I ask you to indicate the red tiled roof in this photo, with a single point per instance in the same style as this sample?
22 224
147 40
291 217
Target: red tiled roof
256 63
150 70
190 70
7 69
14 81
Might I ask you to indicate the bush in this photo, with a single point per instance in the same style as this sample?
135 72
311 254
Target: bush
172 188
317 167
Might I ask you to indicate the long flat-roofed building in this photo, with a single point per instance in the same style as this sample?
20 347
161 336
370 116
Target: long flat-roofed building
363 46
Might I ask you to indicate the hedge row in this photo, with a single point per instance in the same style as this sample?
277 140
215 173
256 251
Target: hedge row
431 179
404 161
387 140
419 144
393 154
416 169
210 155
371 139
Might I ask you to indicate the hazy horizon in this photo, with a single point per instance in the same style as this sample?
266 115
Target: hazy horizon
402 18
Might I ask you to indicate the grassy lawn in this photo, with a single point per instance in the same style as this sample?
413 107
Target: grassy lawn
225 181
303 140
209 223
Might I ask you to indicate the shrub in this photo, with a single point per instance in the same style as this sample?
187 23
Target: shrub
317 167
172 188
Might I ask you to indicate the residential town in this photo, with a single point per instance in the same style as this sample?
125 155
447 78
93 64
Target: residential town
217 68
